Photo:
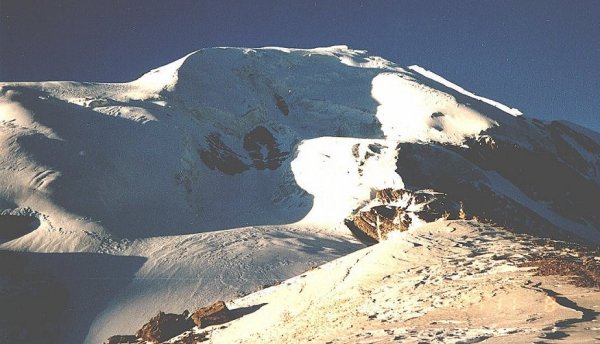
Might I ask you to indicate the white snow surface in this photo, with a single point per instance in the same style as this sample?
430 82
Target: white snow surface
431 75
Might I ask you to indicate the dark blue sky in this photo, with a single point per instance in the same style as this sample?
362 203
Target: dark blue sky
542 57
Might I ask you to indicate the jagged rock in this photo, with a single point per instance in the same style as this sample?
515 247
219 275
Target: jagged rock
123 339
465 177
165 326
215 314
554 172
396 210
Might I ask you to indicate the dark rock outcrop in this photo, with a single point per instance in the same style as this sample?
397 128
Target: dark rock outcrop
215 314
505 179
514 181
221 157
263 149
556 174
281 104
165 326
394 210
123 339
260 151
465 182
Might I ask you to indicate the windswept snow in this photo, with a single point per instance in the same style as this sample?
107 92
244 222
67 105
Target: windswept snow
431 75
157 80
410 112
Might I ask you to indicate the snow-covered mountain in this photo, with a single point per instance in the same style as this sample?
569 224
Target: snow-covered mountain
269 157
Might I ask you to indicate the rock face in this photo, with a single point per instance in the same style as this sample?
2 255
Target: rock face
165 326
215 314
514 183
554 172
263 149
545 182
217 155
396 210
260 151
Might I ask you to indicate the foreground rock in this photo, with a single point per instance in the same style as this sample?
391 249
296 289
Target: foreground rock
215 314
165 326
398 210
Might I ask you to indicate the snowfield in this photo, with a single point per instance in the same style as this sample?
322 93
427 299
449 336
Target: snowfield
232 169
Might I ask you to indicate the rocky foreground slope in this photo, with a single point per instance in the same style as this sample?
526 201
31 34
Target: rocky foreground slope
445 282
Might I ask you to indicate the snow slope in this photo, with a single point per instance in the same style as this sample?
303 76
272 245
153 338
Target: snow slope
224 149
445 282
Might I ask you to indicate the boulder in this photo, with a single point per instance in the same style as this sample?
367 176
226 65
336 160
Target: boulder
396 210
215 314
165 326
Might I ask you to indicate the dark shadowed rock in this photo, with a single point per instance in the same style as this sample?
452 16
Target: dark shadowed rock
260 151
165 326
281 104
218 155
123 339
263 149
215 314
465 181
555 173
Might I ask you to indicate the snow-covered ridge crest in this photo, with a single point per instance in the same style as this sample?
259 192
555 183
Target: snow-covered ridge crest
411 112
431 75
164 78
408 110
